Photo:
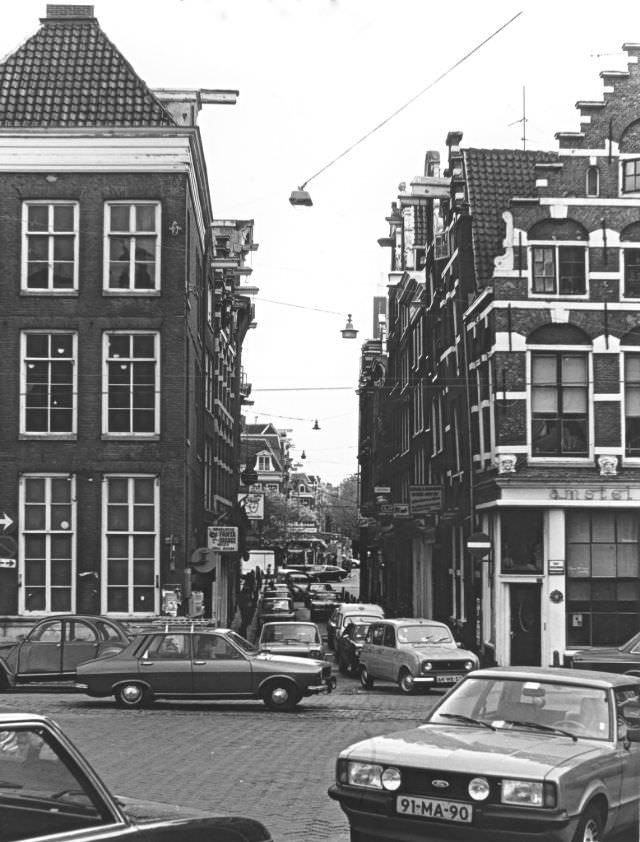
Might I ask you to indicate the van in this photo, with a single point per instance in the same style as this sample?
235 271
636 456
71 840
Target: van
357 611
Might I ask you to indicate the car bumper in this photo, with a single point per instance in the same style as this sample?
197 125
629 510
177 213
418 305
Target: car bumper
372 814
327 686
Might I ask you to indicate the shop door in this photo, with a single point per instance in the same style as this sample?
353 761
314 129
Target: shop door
525 624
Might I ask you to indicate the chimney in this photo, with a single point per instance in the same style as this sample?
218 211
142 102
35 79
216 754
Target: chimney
62 12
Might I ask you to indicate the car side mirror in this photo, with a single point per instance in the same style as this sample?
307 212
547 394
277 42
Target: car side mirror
458 644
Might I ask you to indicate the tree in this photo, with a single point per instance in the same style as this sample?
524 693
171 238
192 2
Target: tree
280 513
338 507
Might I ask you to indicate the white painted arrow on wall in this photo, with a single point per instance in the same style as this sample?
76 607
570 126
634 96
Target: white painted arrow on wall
6 521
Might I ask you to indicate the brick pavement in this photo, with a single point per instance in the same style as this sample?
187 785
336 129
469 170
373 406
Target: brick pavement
232 758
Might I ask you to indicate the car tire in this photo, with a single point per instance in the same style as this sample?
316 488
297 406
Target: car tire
280 694
133 695
365 679
406 683
590 827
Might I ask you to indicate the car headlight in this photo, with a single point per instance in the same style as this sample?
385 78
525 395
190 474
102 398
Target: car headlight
315 653
391 778
427 666
528 793
469 665
365 774
479 789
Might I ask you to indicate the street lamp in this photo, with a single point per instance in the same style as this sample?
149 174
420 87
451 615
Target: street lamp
349 331
300 197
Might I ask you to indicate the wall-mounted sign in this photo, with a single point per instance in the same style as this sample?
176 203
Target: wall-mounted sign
556 566
425 499
382 489
7 562
401 510
386 508
222 538
253 504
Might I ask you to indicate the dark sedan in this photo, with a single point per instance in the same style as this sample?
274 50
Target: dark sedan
322 604
276 608
212 664
625 658
348 647
55 646
48 790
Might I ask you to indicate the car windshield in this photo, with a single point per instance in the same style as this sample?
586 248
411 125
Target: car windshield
518 703
358 632
290 633
241 643
424 634
360 619
276 604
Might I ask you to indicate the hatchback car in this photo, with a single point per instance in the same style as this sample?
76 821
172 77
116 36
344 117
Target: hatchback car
55 646
337 621
349 645
511 753
303 640
414 653
48 790
216 664
322 604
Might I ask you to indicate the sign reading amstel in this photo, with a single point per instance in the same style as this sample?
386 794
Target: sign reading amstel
576 494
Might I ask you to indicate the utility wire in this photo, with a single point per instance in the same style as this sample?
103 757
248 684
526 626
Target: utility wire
413 99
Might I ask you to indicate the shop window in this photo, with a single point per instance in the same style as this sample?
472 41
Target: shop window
521 541
559 404
603 570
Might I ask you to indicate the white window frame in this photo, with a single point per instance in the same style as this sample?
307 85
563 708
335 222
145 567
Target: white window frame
104 577
106 434
48 531
556 245
51 234
132 233
70 434
624 162
592 169
264 463
625 248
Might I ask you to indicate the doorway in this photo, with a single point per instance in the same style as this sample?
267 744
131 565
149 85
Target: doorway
525 624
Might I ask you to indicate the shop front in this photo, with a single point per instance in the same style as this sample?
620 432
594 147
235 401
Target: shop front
565 571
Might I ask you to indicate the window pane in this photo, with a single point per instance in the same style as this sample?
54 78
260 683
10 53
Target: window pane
545 399
579 560
38 218
603 527
544 367
145 217
119 217
603 560
63 217
578 528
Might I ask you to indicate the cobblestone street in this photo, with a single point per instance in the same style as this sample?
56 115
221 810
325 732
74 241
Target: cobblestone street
232 758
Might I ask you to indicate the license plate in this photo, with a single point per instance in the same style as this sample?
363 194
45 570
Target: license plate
447 679
432 808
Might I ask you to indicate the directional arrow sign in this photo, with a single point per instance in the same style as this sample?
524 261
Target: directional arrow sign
6 521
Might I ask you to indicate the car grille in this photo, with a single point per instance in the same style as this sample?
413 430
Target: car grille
421 782
457 666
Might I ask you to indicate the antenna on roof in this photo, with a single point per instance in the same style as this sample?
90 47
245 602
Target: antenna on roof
523 120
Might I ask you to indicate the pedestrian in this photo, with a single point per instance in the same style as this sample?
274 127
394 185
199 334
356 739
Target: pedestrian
250 582
269 575
245 604
258 579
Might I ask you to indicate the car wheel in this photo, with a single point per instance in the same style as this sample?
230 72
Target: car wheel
590 827
406 682
132 695
280 695
365 678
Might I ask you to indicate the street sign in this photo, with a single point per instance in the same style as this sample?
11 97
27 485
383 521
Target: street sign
382 489
401 510
386 508
5 521
7 562
223 538
479 544
8 546
425 499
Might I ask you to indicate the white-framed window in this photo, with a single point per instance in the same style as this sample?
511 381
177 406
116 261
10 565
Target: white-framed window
559 403
592 181
131 375
631 175
559 270
632 403
264 463
631 268
272 487
132 247
47 539
48 387
131 564
50 247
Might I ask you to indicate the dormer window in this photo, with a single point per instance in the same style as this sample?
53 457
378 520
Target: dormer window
593 181
264 463
631 176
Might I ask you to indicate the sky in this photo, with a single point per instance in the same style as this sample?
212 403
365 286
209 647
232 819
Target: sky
314 78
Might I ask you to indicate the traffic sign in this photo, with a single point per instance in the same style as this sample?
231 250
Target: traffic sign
7 562
479 544
5 521
8 547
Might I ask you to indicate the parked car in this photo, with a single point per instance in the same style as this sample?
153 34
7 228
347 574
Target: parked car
327 573
414 653
276 608
322 604
48 790
216 664
367 612
625 658
302 640
349 645
509 753
54 647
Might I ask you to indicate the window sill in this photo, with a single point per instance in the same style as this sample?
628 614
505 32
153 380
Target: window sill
131 293
562 296
580 461
56 293
130 437
47 437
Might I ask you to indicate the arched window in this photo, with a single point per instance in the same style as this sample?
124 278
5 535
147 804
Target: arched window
593 181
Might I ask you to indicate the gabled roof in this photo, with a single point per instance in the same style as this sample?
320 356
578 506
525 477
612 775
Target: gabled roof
493 178
69 74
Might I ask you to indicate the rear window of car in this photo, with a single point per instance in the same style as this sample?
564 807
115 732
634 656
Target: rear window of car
276 603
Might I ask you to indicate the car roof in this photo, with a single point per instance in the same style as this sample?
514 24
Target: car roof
288 623
361 608
568 676
15 718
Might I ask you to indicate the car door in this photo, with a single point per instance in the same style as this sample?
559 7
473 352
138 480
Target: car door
79 643
388 663
218 667
166 663
40 653
627 707
373 658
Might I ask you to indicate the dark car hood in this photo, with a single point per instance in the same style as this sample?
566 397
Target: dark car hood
595 651
478 750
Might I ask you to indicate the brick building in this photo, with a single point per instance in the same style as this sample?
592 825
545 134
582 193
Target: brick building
529 371
118 329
